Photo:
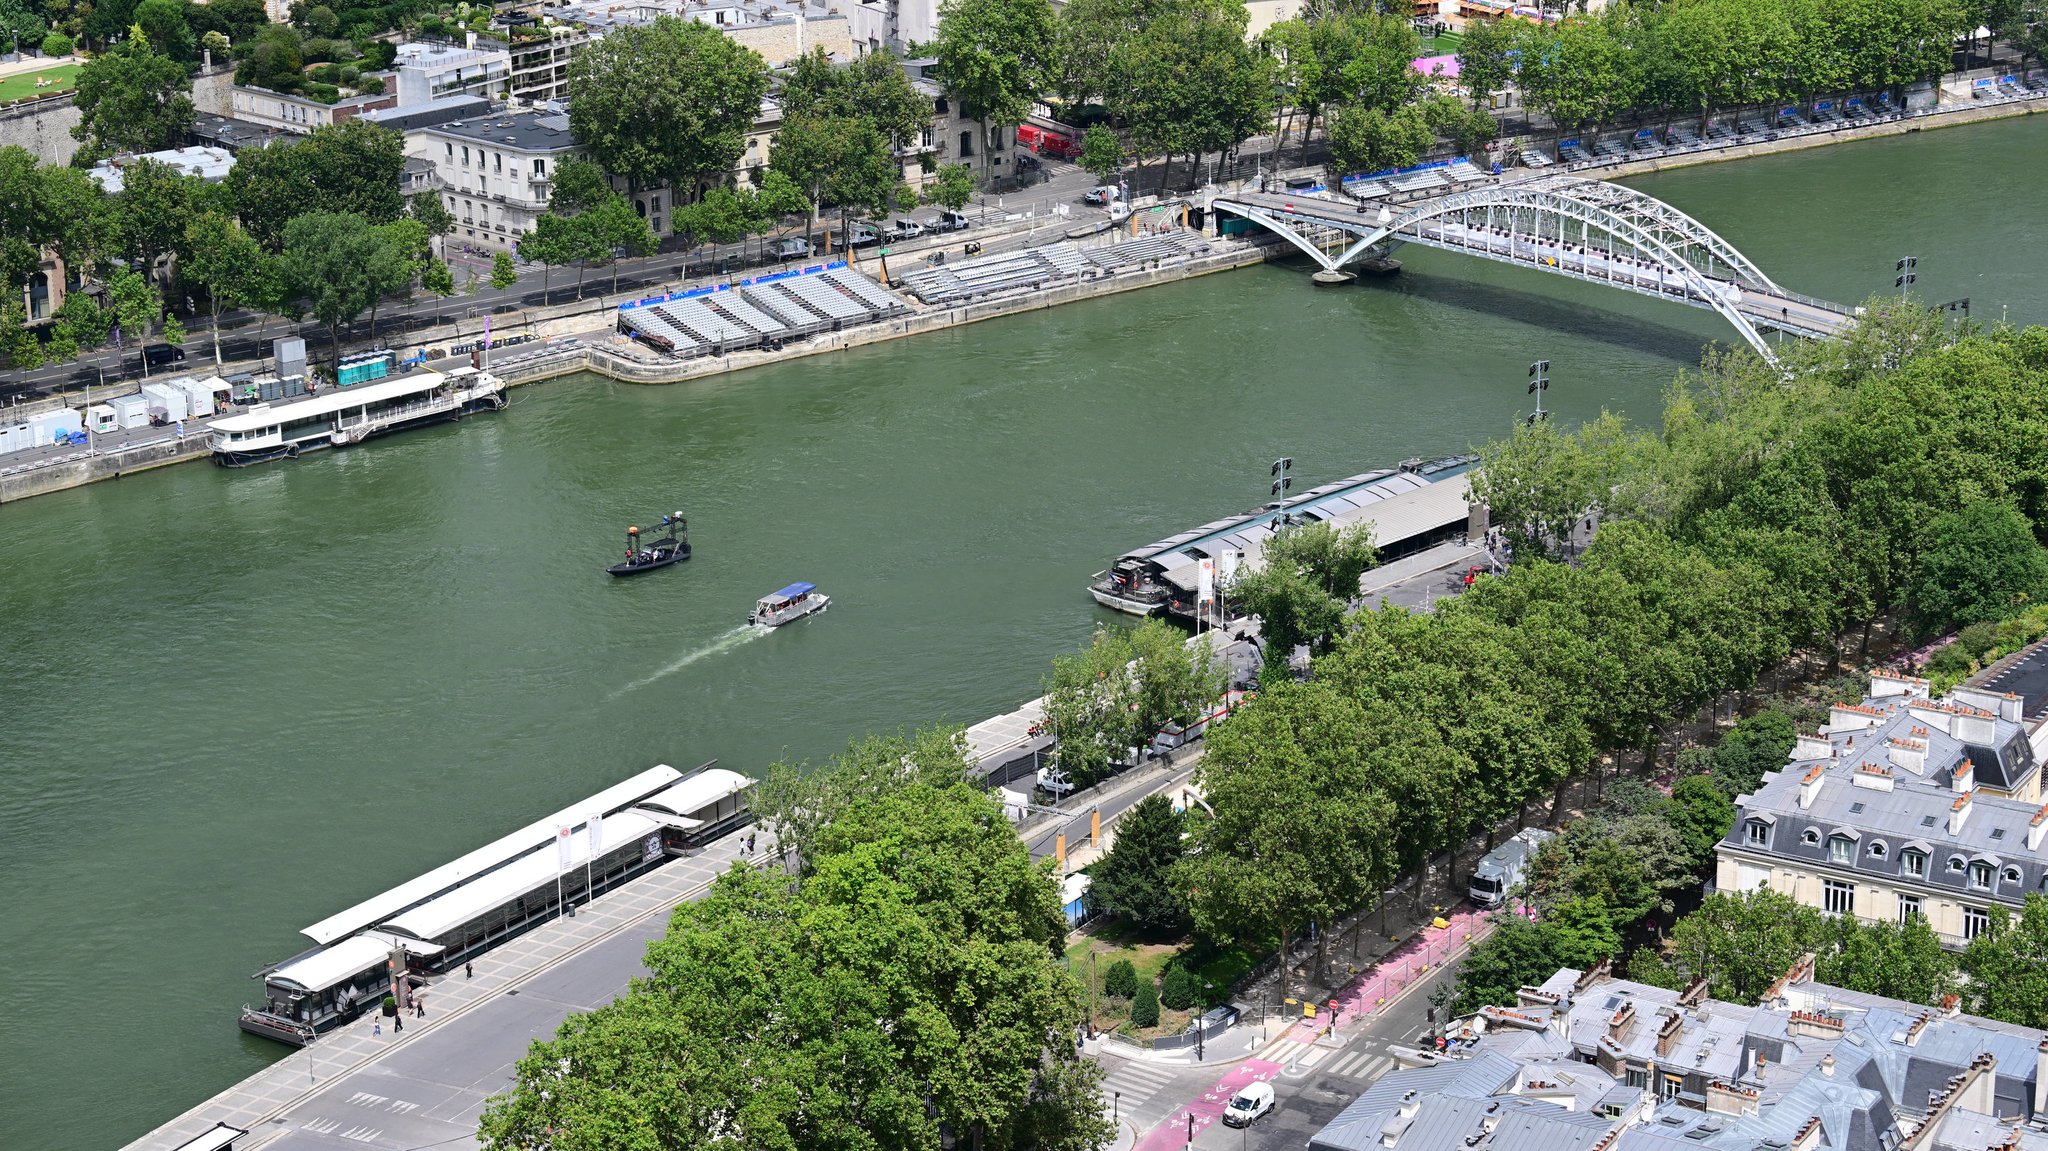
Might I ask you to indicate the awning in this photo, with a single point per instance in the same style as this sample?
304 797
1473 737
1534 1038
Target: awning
796 589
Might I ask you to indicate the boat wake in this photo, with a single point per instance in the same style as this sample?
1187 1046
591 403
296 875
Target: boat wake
723 643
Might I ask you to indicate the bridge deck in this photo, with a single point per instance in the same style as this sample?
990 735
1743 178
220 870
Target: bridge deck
1330 222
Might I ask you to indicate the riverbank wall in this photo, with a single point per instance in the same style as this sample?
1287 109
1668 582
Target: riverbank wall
578 337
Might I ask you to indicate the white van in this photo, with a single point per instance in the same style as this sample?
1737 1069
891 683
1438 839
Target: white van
1252 1101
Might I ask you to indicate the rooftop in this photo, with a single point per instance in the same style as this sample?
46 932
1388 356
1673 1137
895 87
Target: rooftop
599 15
527 131
209 164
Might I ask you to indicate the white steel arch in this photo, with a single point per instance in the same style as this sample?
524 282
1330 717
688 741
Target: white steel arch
1567 225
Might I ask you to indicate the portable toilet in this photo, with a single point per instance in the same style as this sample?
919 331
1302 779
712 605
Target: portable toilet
166 401
133 411
101 418
204 397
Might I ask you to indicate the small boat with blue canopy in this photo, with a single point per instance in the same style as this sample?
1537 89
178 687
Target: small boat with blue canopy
788 605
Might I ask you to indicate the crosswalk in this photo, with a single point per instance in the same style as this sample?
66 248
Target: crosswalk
1300 1057
1135 1082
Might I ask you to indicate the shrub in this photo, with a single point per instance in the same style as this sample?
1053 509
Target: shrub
371 86
1177 990
1978 638
57 44
1121 980
1145 1006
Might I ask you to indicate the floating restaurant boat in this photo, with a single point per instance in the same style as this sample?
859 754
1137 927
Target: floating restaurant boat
657 553
788 605
1415 506
351 415
439 920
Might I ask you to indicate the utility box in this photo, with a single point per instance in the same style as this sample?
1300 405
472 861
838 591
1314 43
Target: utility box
290 354
101 418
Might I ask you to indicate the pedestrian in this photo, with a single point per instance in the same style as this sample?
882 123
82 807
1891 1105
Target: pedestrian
419 1006
469 971
376 1027
398 1023
750 843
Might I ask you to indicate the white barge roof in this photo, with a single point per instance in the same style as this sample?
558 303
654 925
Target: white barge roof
329 402
332 966
700 790
437 917
490 855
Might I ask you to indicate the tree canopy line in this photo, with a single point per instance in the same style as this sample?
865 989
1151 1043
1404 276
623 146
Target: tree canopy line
1897 476
897 984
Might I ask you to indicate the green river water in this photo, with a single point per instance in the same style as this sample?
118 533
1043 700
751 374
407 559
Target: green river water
239 701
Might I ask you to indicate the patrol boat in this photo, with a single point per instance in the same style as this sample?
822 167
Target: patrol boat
656 553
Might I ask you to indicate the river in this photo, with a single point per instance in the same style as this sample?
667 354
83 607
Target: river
238 701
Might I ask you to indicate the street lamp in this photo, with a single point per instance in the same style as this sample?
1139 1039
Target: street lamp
1904 280
1539 383
1116 1108
1282 482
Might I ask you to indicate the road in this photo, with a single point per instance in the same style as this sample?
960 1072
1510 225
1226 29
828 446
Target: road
246 336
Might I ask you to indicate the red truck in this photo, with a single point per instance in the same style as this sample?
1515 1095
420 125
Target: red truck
1047 142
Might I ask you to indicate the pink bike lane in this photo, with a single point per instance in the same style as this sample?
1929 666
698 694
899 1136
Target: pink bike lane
1424 952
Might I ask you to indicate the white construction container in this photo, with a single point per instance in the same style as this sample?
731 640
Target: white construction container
101 418
202 397
44 428
14 438
166 400
133 410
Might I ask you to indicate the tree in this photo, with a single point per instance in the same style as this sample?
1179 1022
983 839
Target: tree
1145 1005
57 44
352 168
996 57
1981 564
1137 879
131 99
1091 708
951 188
906 987
233 268
616 229
554 241
163 21
1102 153
2007 965
503 273
1742 942
337 266
1195 85
1121 980
1486 58
1469 129
797 802
1177 989
434 216
1303 585
667 102
157 204
1756 745
1300 833
1701 813
436 278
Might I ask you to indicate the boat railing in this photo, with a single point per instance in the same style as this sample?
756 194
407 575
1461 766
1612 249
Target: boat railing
418 407
305 1031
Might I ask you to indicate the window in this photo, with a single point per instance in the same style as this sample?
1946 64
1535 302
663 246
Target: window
1909 906
1927 821
1913 863
497 161
1837 898
540 169
966 144
939 105
1841 849
1976 921
2013 876
1877 849
1759 833
465 156
924 138
1811 837
1671 1086
1855 809
451 151
1955 864
1998 833
1980 875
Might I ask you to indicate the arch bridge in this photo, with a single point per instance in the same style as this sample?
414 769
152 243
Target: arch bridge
1571 226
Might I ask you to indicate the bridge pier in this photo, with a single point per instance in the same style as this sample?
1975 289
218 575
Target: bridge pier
1329 276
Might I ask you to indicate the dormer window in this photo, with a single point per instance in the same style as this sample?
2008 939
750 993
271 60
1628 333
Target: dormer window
1757 833
1841 849
1913 863
1877 849
2013 876
1955 864
1980 875
1812 837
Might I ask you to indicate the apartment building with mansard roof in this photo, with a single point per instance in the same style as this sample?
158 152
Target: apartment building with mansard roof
1904 804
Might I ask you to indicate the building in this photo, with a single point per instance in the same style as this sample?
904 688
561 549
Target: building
212 131
780 30
892 24
1904 805
209 164
429 72
1587 1062
446 110
300 115
954 137
541 49
494 172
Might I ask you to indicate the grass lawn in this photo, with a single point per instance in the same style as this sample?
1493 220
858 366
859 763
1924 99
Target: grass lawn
1150 960
23 85
1444 45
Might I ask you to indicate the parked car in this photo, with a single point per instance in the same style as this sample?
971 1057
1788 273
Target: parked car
155 356
860 235
950 222
905 230
794 248
1101 194
1252 1101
